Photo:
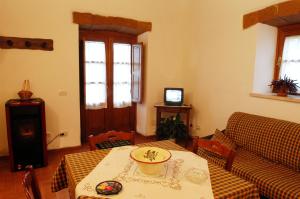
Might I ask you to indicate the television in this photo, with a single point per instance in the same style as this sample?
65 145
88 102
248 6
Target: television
173 96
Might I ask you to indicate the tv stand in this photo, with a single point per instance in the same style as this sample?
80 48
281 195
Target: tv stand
160 108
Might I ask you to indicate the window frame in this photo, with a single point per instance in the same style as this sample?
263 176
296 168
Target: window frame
90 118
108 37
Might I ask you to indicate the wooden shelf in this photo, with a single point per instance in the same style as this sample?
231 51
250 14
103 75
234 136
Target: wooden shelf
26 43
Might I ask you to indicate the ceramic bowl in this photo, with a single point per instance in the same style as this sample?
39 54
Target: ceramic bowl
150 160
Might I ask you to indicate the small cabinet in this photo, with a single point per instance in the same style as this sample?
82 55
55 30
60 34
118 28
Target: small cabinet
26 133
185 109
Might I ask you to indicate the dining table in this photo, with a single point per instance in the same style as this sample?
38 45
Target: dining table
74 167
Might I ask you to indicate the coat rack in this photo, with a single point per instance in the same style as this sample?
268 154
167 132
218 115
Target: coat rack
26 43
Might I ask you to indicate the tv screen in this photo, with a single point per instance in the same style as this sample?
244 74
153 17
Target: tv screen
173 96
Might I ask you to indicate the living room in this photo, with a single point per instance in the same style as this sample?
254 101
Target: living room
200 46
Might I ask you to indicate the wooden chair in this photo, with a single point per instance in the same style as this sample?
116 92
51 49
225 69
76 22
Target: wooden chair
216 148
30 184
110 137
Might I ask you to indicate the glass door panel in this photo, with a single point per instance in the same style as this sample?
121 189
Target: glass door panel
121 75
95 75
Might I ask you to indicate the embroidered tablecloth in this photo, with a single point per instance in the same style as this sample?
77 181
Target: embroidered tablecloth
184 175
74 167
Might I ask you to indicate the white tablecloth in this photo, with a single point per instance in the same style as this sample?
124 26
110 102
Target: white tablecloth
173 182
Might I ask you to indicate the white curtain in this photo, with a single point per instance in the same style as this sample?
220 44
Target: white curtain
290 65
95 75
122 75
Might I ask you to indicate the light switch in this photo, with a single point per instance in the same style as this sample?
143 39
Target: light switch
62 93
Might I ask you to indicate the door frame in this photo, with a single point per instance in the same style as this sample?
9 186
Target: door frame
109 38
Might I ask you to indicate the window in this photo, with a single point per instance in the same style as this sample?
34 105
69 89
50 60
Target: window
112 70
288 53
95 75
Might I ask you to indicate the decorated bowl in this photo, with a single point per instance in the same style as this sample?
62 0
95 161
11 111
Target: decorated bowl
150 160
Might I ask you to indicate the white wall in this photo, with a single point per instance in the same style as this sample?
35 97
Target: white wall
51 72
221 67
198 45
266 40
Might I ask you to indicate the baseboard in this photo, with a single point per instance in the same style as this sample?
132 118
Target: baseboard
67 148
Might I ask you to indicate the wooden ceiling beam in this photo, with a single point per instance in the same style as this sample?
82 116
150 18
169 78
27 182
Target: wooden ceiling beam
119 24
281 14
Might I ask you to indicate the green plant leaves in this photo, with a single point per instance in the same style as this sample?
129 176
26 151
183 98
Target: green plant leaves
285 84
171 127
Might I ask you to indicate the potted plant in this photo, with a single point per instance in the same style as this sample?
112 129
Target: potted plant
284 86
171 127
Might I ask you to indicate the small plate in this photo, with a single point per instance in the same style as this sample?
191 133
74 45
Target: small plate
196 176
108 187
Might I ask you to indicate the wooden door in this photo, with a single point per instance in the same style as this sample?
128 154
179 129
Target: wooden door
110 114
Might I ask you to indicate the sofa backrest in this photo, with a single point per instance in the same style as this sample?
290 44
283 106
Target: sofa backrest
276 140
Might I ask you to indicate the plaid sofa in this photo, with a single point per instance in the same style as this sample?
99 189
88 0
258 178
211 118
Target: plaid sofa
268 153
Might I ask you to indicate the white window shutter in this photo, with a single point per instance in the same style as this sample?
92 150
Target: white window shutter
137 73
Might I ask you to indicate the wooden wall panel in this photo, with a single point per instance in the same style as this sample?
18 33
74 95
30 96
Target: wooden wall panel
281 14
97 22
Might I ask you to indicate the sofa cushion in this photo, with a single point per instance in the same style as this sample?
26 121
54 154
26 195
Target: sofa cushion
246 163
272 180
276 140
277 181
223 139
212 157
215 157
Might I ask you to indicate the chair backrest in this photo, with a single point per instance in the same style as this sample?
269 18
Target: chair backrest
30 184
110 136
217 148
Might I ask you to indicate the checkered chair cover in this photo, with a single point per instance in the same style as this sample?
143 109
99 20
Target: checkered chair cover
268 154
112 144
273 139
272 180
